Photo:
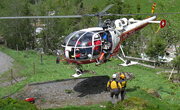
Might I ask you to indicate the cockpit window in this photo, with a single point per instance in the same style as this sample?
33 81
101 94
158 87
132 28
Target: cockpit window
75 39
85 40
67 38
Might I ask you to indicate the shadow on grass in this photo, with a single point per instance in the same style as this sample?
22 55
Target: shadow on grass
92 85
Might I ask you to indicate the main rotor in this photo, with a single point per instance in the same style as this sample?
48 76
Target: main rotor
100 15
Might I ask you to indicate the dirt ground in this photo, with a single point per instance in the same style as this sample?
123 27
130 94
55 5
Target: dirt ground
78 91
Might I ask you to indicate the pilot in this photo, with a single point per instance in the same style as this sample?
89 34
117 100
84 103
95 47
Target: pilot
78 54
114 86
123 85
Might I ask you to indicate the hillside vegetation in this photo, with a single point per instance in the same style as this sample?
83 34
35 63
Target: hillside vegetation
49 71
51 37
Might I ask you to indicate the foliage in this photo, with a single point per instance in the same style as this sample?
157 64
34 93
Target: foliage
69 91
71 107
176 60
155 48
9 104
21 32
16 31
109 106
131 103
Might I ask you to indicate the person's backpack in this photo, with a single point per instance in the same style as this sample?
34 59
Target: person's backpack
111 81
123 83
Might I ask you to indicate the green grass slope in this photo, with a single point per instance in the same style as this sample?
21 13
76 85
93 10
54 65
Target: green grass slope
49 70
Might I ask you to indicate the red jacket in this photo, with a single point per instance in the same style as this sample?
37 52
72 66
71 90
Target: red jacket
98 42
78 55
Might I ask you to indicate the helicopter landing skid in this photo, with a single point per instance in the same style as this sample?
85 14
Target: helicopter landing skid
79 73
76 75
128 64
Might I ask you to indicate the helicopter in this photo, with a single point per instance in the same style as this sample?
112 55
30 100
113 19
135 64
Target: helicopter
98 44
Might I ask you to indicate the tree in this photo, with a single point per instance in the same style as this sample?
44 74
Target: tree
16 31
156 48
176 61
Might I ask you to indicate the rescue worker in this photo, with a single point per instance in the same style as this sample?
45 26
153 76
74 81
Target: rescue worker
123 85
114 86
104 38
97 44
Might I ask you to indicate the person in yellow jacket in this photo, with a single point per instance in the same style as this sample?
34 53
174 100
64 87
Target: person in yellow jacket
123 85
114 87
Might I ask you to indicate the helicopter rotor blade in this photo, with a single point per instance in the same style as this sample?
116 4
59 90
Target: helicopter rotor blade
22 17
105 9
139 14
79 16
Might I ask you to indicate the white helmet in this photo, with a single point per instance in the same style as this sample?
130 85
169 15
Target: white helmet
96 36
114 75
77 49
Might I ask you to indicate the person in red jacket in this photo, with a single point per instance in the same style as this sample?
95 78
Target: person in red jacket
97 44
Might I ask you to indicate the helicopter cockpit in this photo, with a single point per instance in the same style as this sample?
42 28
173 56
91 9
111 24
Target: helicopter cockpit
83 45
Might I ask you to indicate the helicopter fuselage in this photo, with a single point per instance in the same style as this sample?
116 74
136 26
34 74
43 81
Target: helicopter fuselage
87 45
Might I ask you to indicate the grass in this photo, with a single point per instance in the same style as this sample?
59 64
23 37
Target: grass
70 107
49 70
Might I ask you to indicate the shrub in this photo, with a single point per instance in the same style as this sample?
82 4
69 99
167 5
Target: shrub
9 104
109 106
119 106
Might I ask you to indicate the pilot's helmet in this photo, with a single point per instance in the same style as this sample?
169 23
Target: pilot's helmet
77 50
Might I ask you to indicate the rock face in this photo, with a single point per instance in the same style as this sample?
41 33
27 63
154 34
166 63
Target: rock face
128 75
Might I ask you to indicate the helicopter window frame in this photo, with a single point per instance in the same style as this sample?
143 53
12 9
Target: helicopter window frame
84 42
83 47
68 38
73 39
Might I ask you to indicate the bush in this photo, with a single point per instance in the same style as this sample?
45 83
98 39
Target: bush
109 106
9 104
119 106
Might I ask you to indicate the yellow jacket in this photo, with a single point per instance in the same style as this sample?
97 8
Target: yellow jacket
123 83
113 84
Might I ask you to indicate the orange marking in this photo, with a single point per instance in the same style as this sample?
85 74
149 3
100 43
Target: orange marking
101 57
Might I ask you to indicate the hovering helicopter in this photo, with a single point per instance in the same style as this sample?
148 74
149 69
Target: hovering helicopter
98 44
